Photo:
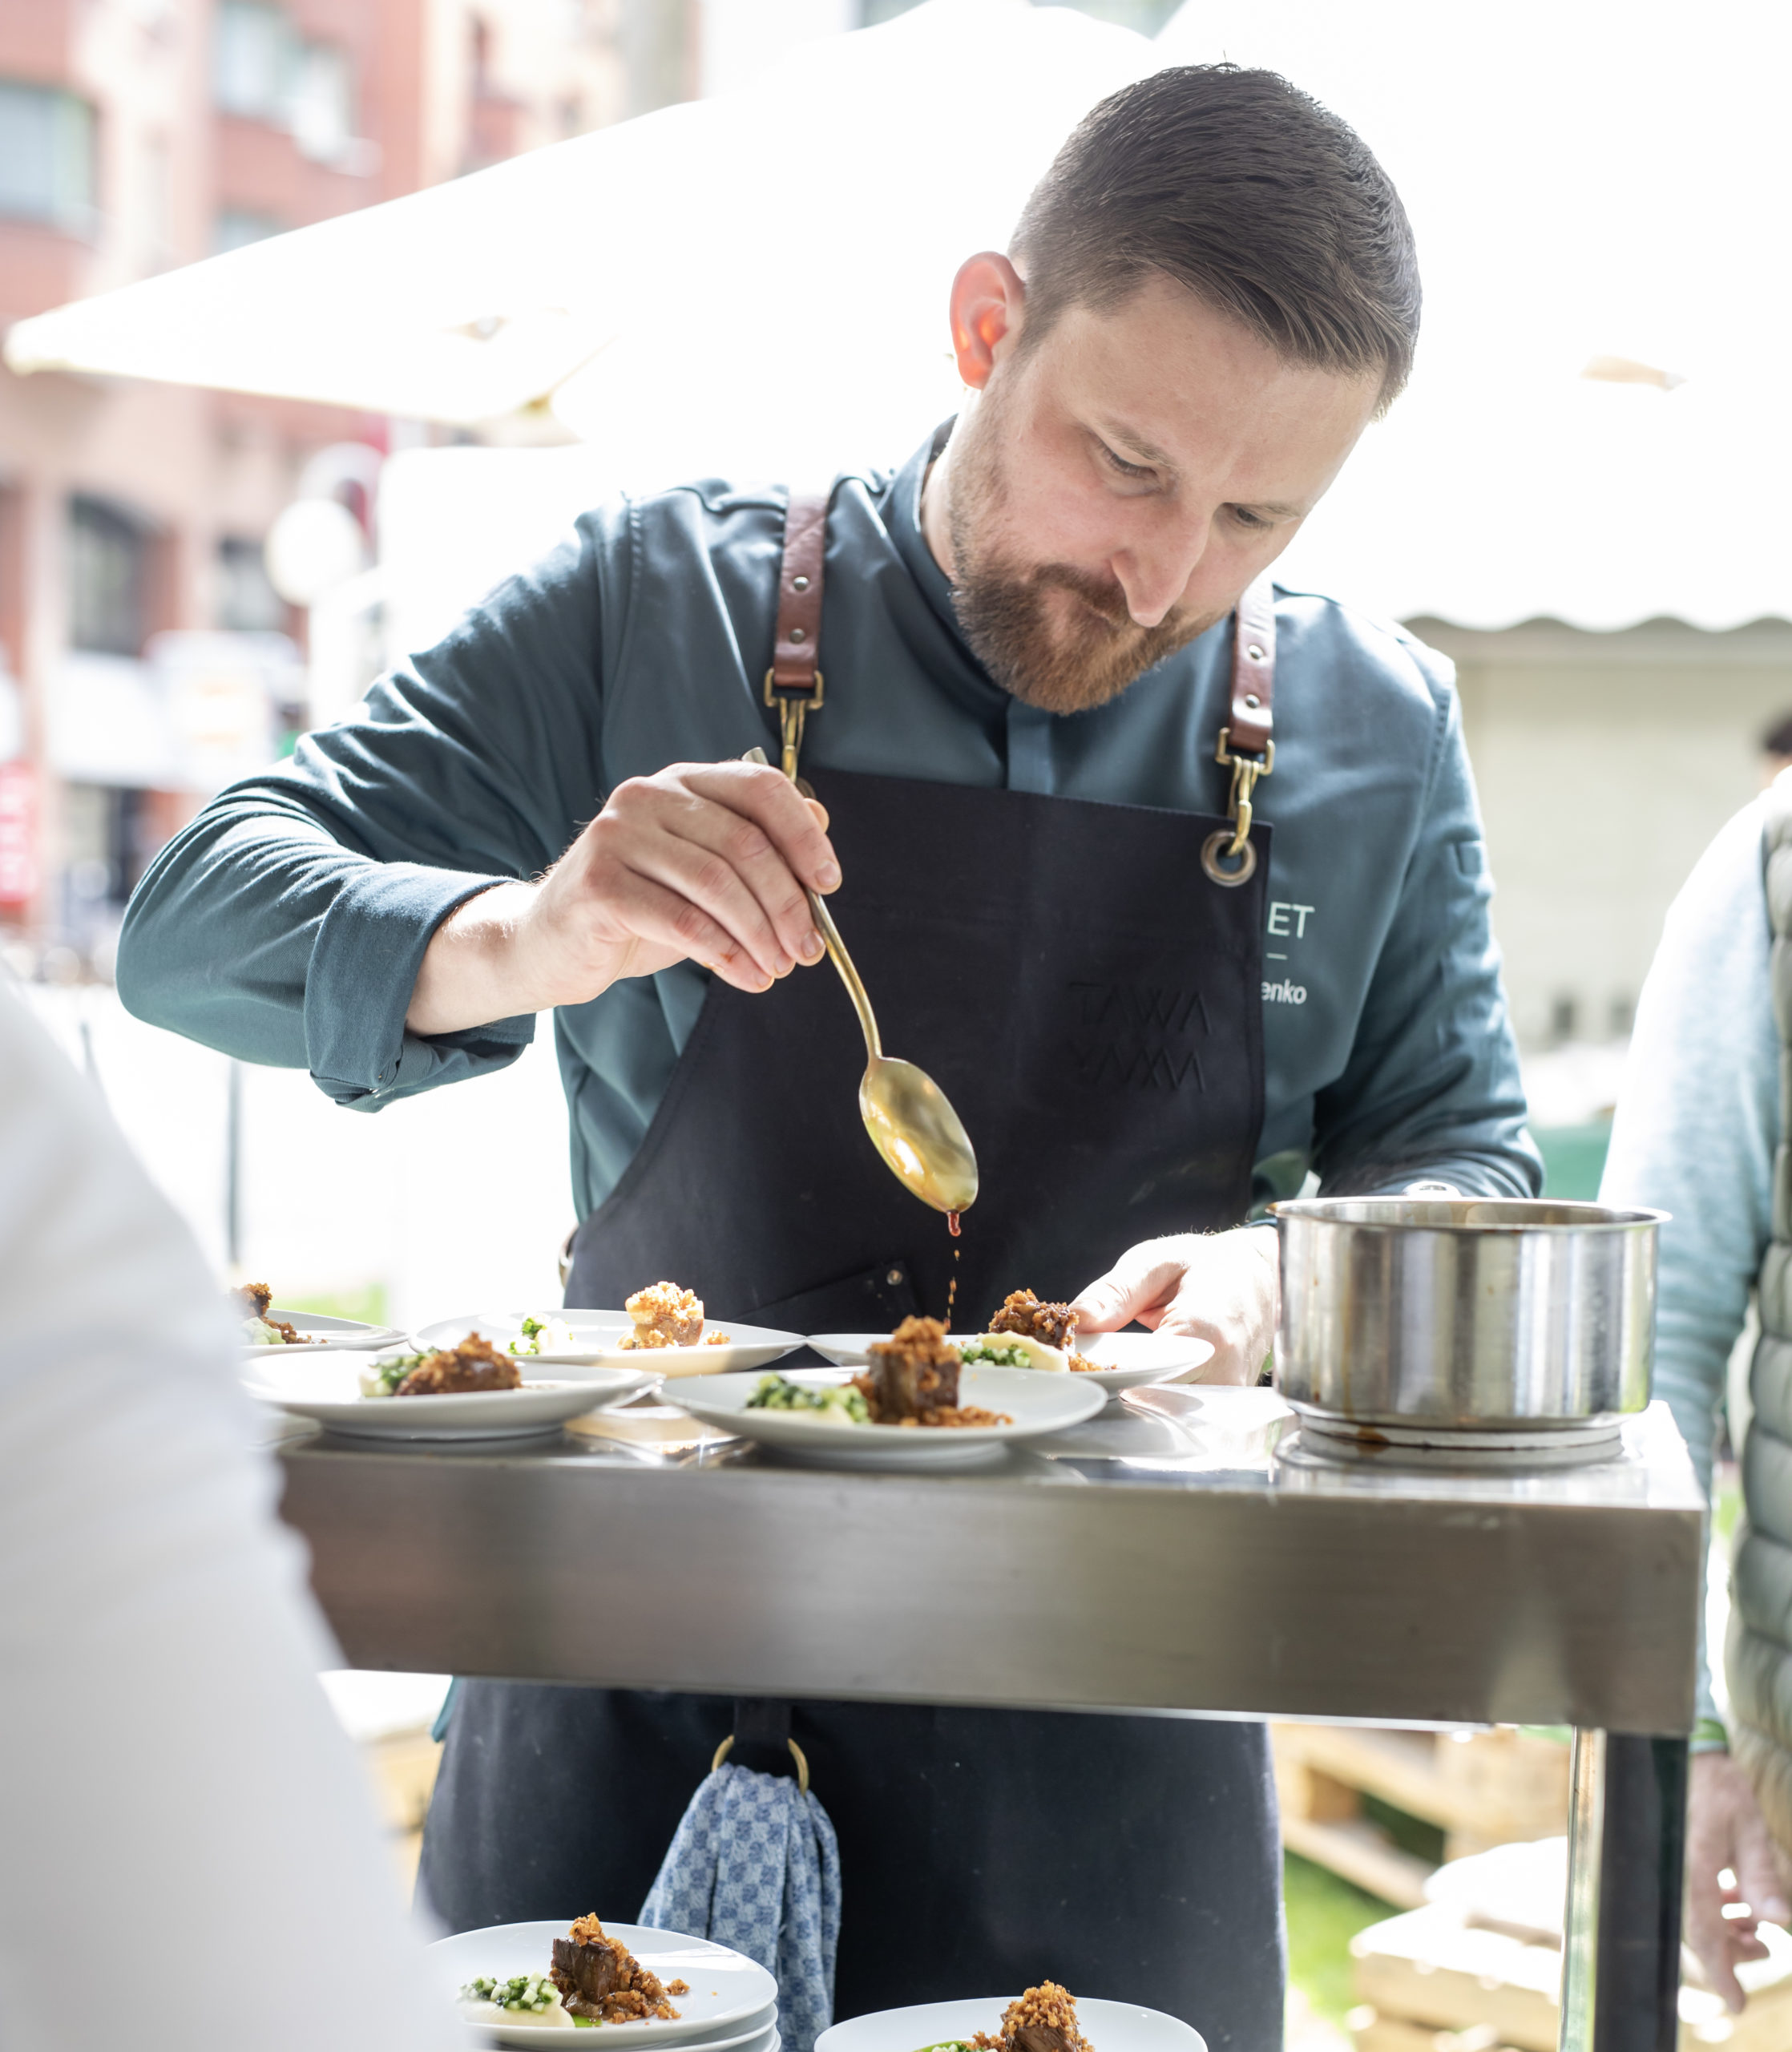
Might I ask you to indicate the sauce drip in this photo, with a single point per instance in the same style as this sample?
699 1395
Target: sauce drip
952 1223
952 1287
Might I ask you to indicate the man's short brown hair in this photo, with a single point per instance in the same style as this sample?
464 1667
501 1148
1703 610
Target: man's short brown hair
1248 192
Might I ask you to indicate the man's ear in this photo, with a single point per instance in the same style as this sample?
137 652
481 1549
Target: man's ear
987 299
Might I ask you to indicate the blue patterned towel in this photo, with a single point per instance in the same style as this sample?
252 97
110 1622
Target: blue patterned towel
754 1865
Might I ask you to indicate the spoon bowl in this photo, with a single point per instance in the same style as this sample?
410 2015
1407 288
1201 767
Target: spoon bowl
915 1127
910 1118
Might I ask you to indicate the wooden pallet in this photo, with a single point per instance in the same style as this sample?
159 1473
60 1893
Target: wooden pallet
1483 1788
1428 1982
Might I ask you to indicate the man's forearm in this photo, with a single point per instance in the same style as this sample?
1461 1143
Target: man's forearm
470 975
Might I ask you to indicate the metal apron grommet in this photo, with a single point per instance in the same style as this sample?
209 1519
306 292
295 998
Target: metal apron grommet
1211 850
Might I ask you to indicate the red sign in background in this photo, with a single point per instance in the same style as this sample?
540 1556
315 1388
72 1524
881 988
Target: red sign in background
18 835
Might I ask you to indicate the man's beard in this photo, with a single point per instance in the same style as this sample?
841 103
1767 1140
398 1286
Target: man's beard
1007 617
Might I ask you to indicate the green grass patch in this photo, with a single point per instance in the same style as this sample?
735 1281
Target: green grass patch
367 1303
1324 1914
1412 1835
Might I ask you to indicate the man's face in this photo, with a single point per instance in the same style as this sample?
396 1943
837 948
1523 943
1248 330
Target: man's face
1116 486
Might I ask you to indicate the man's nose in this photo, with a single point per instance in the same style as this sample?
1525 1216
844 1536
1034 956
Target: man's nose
1154 575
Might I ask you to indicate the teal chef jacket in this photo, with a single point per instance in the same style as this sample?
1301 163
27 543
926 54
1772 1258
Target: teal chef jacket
285 924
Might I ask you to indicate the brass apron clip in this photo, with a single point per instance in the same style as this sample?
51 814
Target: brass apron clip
1245 770
793 708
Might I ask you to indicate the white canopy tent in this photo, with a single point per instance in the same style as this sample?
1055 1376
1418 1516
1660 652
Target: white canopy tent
755 284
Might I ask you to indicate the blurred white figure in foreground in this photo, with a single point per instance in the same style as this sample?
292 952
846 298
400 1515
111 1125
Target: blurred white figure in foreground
191 1855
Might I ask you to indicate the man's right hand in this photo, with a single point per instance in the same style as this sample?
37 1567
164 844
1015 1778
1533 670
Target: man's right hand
705 861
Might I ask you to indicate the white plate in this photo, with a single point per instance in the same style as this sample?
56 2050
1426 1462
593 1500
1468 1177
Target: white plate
330 1392
1038 1405
726 1986
1108 2026
516 2032
599 1334
760 2033
594 1335
332 1335
1127 1360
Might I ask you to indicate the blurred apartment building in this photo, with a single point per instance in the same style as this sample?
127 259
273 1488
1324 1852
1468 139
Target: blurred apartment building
136 136
145 658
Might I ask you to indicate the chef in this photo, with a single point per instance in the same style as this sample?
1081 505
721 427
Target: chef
1177 907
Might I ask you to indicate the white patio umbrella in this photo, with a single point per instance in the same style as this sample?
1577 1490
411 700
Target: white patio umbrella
755 282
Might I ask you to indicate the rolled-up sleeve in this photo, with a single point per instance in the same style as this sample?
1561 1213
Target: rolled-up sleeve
287 923
1432 1088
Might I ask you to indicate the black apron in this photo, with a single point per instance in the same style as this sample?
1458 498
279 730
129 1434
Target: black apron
1089 999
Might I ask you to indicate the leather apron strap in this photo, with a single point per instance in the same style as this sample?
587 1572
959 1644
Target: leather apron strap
793 684
1246 745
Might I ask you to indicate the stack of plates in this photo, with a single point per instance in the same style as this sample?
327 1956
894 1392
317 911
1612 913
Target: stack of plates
732 2007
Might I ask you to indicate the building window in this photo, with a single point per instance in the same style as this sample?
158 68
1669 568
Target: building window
108 833
247 602
264 71
107 572
321 112
46 156
236 229
253 59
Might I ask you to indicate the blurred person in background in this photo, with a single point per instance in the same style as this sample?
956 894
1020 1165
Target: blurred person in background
188 1850
1031 710
1700 1133
1776 749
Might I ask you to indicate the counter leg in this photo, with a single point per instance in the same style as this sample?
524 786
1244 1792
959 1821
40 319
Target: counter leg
1627 1847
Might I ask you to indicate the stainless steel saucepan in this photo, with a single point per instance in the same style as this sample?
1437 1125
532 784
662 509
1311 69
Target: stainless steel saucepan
1465 1312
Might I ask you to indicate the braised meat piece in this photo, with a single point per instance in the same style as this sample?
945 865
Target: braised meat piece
913 1372
665 1314
1051 1324
473 1366
586 1970
1043 2020
598 1977
255 1298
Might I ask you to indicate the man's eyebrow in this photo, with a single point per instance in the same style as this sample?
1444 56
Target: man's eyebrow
1147 451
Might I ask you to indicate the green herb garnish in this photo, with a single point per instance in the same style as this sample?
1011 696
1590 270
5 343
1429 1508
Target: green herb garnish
383 1378
527 1994
840 1400
995 1353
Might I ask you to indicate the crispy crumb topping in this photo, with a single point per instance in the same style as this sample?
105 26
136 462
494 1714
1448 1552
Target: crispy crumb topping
1022 1312
665 1314
1043 2017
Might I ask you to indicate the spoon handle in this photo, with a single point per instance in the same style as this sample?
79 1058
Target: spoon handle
848 975
837 950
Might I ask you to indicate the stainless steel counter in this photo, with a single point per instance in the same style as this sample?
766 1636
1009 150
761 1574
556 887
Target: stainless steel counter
1173 1554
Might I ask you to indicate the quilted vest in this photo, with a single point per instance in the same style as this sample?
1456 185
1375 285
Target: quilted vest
1758 1655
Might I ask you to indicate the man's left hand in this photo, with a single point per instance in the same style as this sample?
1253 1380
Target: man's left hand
1725 1832
1223 1287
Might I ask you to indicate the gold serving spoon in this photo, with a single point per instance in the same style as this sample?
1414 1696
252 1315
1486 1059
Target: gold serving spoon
911 1123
